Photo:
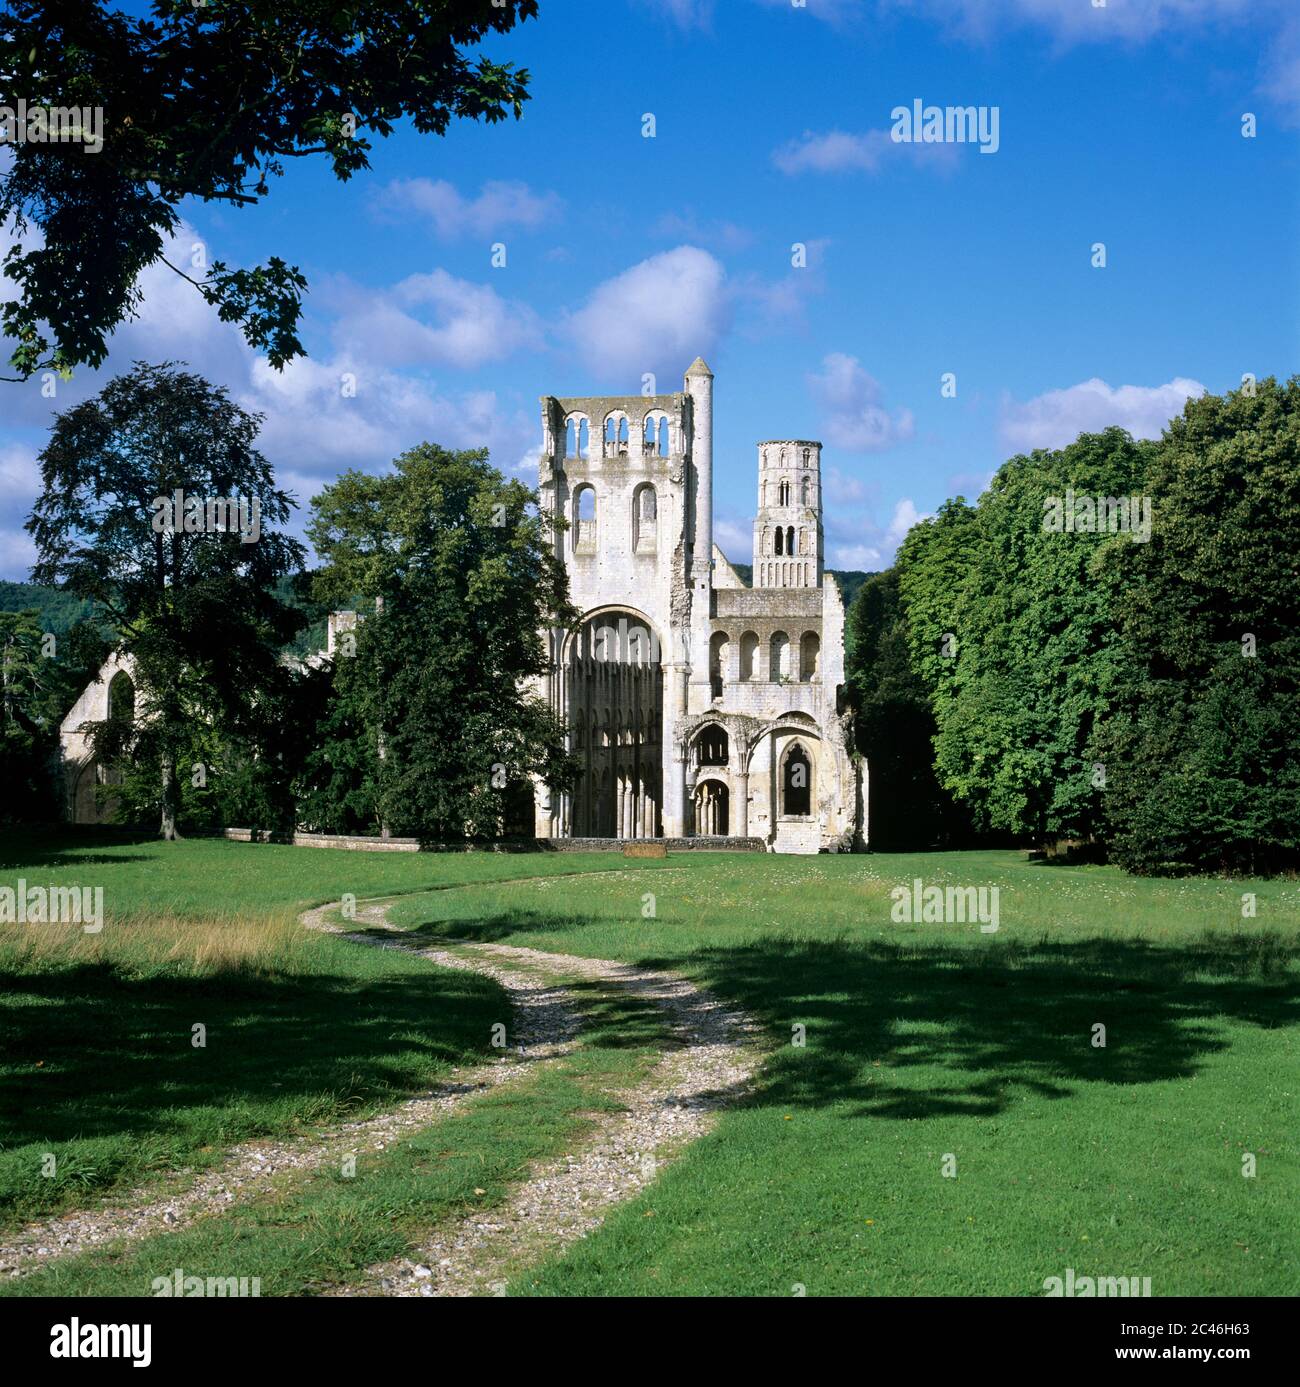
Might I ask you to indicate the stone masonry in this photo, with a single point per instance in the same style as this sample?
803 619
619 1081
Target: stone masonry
698 706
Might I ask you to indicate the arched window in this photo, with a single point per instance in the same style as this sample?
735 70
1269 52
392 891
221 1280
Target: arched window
805 492
780 667
121 698
796 783
616 434
719 656
577 436
807 457
783 494
712 746
748 656
645 518
789 539
584 520
780 540
654 435
810 649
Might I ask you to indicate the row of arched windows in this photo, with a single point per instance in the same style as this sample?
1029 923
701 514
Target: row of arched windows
785 575
655 429
599 729
785 539
769 457
781 653
782 493
645 519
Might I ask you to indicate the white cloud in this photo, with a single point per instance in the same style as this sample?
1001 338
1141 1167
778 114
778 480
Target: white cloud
17 554
20 485
838 151
432 318
1057 417
858 543
499 207
841 489
654 318
734 535
20 477
854 418
685 14
1073 22
722 235
1070 22
314 428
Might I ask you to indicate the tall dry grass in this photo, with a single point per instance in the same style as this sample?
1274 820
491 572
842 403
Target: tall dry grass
192 946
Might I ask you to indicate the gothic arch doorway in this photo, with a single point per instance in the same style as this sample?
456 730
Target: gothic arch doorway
796 783
712 809
612 677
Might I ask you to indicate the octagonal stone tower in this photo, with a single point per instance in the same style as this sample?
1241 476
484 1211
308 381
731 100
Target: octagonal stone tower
788 527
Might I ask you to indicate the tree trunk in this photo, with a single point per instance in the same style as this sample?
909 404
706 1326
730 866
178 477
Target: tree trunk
167 831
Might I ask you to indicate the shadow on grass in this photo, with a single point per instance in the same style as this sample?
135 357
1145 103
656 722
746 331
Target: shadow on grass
43 849
94 1050
991 1021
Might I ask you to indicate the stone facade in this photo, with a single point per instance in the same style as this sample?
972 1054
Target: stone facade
698 706
111 694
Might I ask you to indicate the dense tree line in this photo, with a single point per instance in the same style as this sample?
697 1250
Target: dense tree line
1103 648
421 723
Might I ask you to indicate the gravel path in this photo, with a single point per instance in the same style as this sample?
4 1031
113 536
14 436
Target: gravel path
545 1026
563 1199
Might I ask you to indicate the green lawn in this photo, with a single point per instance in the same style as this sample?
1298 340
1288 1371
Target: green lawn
923 1042
97 1064
932 1041
320 1229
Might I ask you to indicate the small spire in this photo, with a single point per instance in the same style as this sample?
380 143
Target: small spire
698 368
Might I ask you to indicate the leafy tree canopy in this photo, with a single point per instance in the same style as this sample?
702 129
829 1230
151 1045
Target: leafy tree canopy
209 101
463 574
193 604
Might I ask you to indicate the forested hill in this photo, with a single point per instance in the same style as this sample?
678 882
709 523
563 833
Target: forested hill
59 611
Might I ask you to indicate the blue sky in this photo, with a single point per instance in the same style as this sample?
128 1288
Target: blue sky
1119 124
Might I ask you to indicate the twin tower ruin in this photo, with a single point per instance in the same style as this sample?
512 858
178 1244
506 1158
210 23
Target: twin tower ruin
697 705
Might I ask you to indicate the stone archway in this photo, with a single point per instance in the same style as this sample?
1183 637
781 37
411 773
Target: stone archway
795 782
712 809
612 701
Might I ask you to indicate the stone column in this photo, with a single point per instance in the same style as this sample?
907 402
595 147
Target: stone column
741 828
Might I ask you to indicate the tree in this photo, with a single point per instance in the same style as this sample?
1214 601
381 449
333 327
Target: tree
895 727
41 675
186 579
209 101
25 741
1202 746
1016 637
462 576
